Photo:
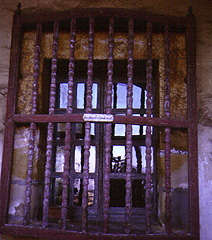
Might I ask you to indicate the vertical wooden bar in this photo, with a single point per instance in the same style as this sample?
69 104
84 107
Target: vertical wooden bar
148 141
36 69
167 131
192 130
65 182
9 131
71 65
128 197
52 97
167 74
87 138
32 130
50 126
28 190
108 129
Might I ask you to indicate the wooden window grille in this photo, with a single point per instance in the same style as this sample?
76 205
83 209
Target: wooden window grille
95 127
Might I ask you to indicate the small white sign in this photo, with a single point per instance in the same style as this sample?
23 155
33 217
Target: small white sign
92 117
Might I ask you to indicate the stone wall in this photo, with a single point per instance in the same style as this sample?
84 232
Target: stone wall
202 11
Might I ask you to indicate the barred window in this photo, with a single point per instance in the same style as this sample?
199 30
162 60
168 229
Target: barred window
100 136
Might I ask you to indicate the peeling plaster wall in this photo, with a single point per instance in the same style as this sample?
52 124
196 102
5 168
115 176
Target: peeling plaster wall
202 11
205 180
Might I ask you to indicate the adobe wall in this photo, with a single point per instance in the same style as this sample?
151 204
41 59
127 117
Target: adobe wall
202 10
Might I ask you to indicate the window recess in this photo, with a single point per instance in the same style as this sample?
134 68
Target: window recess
133 175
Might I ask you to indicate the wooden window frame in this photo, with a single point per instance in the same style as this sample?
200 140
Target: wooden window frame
12 118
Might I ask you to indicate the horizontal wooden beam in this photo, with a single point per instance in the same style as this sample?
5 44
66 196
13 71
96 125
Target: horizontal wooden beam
31 17
60 235
124 119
